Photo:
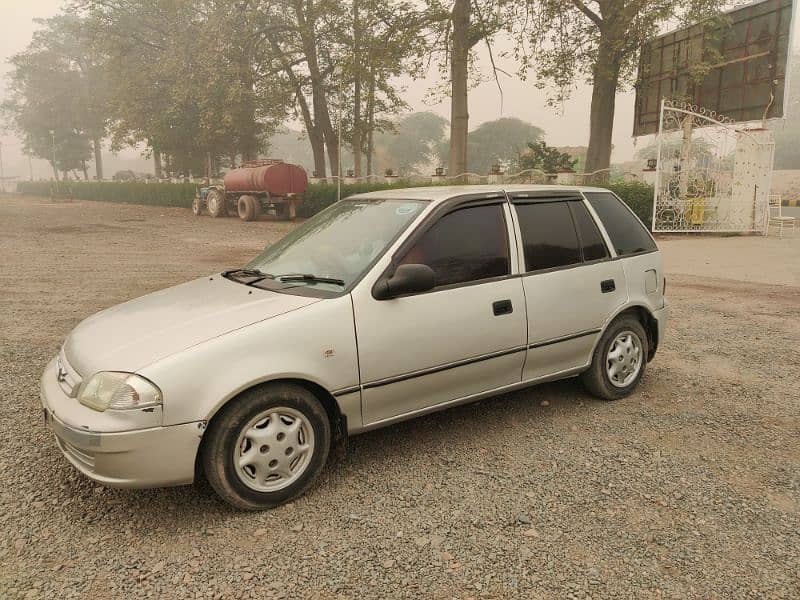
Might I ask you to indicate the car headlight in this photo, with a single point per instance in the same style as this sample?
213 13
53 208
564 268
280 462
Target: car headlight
118 391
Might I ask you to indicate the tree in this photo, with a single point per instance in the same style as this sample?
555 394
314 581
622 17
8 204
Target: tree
385 39
545 158
339 58
56 100
598 39
498 142
414 142
301 46
183 79
456 29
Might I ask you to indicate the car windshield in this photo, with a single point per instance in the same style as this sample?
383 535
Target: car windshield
338 243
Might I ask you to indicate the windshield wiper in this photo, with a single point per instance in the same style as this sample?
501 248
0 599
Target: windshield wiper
247 276
249 273
309 278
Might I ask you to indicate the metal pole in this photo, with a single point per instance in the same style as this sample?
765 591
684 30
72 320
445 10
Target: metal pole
339 174
55 166
658 165
2 175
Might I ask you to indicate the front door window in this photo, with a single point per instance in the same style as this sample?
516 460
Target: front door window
466 245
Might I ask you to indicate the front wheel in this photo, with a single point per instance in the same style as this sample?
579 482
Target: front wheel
267 446
197 206
216 204
619 360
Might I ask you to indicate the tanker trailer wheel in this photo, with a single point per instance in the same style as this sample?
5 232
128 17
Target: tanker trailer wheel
216 203
248 208
197 206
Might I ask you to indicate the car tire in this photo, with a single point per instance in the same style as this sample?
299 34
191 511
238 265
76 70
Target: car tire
216 204
267 446
197 207
247 208
619 360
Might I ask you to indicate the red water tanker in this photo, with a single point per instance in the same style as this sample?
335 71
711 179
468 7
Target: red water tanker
277 179
270 185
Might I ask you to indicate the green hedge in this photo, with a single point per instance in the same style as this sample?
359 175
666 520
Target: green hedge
322 195
639 196
157 194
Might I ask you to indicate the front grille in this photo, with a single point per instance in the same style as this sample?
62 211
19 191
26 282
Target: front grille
84 458
68 378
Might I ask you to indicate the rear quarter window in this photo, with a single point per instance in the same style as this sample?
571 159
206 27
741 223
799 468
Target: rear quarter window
626 231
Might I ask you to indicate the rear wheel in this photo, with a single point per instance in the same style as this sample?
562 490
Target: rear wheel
215 202
267 446
619 360
248 208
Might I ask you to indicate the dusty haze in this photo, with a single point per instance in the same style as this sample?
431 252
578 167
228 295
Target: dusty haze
567 125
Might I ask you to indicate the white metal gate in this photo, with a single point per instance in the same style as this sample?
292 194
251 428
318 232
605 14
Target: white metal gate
710 175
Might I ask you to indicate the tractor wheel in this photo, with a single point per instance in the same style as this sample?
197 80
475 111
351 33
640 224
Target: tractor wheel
216 203
197 206
248 208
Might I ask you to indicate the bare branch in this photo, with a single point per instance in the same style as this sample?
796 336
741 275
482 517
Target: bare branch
593 16
491 54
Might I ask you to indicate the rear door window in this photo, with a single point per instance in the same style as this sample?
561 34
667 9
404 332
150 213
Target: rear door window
625 230
594 248
548 235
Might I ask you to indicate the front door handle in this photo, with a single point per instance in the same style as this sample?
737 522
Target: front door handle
607 286
502 307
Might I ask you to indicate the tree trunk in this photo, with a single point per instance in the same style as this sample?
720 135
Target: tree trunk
322 118
157 162
324 123
601 116
357 139
315 137
371 119
318 150
459 110
98 158
85 170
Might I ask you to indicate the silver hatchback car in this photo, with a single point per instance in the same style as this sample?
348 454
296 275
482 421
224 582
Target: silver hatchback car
383 307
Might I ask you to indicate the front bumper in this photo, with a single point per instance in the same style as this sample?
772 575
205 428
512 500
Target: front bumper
142 458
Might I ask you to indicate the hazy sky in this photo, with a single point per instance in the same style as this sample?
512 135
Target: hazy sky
566 126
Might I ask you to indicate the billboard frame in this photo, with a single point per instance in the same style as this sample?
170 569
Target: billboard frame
740 85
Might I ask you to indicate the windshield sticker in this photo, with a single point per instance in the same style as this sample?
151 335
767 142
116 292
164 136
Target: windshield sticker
406 209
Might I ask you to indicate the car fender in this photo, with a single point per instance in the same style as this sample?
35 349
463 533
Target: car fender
315 343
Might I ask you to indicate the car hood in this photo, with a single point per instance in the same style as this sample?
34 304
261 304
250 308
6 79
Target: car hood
132 335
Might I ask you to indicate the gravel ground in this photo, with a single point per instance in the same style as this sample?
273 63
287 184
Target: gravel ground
689 488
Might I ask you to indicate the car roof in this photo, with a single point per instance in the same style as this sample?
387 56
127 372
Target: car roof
440 193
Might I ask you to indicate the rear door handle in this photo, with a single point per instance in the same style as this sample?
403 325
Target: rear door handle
502 307
607 286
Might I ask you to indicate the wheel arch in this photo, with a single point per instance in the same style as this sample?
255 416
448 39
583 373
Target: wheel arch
336 417
645 316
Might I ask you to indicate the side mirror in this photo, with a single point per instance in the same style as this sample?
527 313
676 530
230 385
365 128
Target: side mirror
407 279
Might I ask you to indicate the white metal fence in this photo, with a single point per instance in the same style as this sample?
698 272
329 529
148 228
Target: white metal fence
711 176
